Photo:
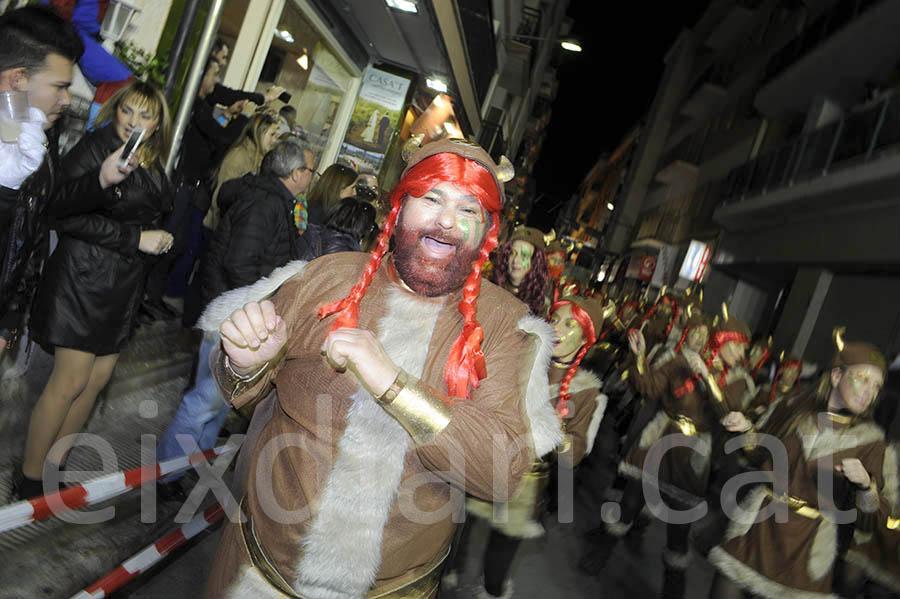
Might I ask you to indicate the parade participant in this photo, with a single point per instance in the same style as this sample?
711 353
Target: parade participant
660 321
830 426
786 377
521 268
580 407
389 392
759 355
874 555
683 474
556 263
734 388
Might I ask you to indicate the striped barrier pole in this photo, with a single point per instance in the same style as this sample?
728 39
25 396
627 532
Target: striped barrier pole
16 515
150 555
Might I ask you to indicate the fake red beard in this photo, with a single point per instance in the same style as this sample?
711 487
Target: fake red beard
555 271
424 274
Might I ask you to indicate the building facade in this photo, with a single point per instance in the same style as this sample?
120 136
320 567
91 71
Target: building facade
772 139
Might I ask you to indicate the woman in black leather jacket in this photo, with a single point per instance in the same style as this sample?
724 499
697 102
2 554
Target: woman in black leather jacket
93 283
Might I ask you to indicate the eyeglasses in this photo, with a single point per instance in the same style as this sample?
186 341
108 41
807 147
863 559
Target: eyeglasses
367 193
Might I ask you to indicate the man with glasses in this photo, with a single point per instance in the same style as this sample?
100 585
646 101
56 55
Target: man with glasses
255 236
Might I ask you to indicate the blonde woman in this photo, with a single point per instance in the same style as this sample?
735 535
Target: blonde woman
244 157
93 283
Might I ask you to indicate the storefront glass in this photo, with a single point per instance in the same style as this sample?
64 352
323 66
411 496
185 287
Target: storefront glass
299 61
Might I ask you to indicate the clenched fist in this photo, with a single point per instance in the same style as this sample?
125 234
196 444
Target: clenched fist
855 472
736 422
361 353
252 336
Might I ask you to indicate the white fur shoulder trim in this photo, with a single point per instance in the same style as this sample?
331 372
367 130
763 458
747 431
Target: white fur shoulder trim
221 308
546 432
817 444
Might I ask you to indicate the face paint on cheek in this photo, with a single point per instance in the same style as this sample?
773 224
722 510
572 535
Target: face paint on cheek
466 230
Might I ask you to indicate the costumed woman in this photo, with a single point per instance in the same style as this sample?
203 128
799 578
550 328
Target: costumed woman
521 268
579 406
835 453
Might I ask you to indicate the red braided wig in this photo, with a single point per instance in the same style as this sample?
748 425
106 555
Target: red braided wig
465 365
590 337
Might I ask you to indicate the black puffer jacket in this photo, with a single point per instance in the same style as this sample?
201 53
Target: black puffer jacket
24 217
94 281
255 236
319 241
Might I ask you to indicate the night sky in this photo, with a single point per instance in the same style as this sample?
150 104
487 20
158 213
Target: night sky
604 90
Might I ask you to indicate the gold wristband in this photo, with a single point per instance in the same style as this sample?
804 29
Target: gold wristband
234 382
421 410
641 364
396 387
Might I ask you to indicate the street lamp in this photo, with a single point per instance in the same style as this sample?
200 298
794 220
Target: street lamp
568 43
116 20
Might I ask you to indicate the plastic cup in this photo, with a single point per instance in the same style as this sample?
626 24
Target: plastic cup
13 110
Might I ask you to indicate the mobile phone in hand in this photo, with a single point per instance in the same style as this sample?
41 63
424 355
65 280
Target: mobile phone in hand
131 146
285 97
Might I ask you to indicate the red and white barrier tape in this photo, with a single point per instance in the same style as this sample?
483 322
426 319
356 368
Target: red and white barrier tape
151 555
19 514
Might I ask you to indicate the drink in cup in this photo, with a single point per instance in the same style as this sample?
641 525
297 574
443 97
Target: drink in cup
13 111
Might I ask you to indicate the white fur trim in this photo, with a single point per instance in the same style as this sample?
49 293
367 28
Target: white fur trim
618 529
750 507
250 583
751 580
675 560
876 572
817 444
664 358
342 548
546 432
890 474
654 430
823 551
700 461
868 501
585 379
861 537
601 400
221 308
450 580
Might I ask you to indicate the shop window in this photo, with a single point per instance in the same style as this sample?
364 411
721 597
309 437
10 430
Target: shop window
300 61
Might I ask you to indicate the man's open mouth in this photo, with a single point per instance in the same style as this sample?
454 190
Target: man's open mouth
438 248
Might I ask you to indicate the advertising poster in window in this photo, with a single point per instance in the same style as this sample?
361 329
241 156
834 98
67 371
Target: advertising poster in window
378 109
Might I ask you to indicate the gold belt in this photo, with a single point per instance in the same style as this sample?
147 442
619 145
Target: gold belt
421 586
800 506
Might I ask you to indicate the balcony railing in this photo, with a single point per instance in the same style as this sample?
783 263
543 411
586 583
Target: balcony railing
855 139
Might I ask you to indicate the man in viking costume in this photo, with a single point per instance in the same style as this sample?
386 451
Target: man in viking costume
400 377
836 457
676 384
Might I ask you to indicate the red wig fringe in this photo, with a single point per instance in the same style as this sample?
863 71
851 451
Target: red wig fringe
465 365
590 337
786 364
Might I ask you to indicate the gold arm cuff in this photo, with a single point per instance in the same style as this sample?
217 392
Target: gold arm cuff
641 364
797 505
421 410
234 383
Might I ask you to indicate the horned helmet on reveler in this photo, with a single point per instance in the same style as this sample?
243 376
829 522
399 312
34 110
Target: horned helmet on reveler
471 170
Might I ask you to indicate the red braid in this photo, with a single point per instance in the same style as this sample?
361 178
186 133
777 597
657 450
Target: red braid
465 365
590 337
